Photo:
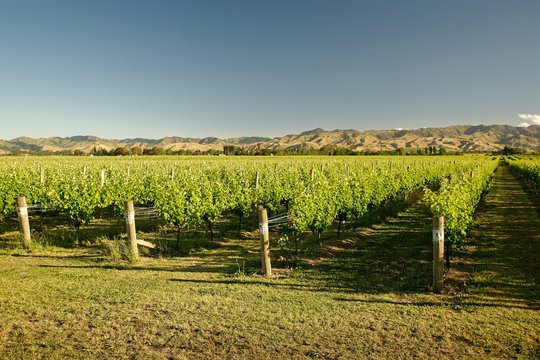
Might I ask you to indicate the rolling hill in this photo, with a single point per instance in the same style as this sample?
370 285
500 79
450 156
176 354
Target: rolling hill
466 138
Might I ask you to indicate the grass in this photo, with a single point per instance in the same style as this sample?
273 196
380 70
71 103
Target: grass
365 296
77 306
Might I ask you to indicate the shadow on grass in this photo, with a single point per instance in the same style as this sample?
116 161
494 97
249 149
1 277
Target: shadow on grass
392 257
223 260
211 267
457 304
81 257
249 281
507 239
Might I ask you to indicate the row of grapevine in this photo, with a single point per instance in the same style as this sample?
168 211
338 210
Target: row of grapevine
528 169
457 199
189 192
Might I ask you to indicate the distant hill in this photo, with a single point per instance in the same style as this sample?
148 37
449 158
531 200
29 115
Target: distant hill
464 138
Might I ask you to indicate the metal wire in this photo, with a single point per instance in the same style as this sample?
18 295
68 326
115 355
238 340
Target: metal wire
280 219
146 213
39 208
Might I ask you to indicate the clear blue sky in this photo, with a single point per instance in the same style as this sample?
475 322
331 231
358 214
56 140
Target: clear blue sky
224 68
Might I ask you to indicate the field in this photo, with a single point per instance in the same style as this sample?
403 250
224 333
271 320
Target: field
75 292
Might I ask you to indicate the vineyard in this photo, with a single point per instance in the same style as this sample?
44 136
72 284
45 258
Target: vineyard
348 235
528 169
315 192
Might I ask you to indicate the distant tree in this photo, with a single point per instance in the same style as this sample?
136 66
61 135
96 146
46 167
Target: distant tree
122 151
344 151
265 152
99 152
233 150
158 151
78 152
136 150
507 150
328 149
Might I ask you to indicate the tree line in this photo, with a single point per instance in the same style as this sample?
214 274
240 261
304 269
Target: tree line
234 150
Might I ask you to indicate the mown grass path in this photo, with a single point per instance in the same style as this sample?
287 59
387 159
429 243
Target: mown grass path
506 246
389 257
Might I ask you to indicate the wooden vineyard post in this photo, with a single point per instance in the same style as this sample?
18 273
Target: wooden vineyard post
256 206
41 174
22 213
265 242
438 253
132 233
257 180
102 178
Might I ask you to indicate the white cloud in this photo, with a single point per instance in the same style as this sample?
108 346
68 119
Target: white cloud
530 119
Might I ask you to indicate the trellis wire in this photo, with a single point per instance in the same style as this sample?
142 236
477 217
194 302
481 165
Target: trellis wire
146 213
280 219
39 208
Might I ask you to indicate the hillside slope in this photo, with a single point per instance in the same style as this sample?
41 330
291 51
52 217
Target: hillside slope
465 138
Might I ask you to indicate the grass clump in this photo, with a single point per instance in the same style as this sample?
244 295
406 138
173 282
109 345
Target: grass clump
116 250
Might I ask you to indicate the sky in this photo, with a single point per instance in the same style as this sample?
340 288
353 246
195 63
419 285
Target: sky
226 68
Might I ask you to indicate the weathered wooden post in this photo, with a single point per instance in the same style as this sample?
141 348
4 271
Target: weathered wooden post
102 178
41 174
265 242
22 213
257 180
438 253
255 205
132 233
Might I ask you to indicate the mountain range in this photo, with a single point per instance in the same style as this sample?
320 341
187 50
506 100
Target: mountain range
464 138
